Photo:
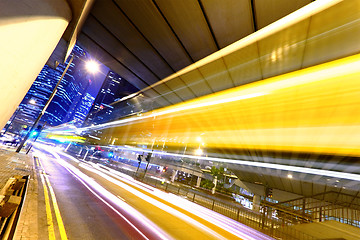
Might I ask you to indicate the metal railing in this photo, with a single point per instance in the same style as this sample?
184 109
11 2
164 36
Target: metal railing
261 221
330 205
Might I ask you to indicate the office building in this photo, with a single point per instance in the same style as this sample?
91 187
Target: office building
82 109
107 106
70 91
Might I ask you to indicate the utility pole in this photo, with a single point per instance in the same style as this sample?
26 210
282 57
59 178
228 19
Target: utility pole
139 158
45 107
148 157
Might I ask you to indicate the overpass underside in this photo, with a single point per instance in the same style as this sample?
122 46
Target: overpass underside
284 115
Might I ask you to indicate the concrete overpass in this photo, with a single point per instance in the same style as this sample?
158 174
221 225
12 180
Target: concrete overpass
178 51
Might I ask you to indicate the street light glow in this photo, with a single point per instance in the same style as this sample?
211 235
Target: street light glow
198 151
92 66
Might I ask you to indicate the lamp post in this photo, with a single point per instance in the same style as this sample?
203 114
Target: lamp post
45 107
91 66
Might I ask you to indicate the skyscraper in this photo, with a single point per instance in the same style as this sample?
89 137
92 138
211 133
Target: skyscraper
69 96
34 101
70 91
83 109
113 89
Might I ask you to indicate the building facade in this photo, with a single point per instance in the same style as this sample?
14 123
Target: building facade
34 101
70 91
67 102
107 105
83 109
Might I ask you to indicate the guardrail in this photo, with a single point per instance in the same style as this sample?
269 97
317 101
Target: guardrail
329 205
279 229
11 200
256 220
261 221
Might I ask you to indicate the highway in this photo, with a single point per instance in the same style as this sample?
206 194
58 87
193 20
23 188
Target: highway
86 201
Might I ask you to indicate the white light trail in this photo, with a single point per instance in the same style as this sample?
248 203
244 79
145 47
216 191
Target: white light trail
230 225
96 188
154 202
227 224
314 171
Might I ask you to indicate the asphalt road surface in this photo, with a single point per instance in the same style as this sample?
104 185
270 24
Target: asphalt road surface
90 201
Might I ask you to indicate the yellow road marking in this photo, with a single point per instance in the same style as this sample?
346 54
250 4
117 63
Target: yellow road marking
37 162
48 211
55 205
57 211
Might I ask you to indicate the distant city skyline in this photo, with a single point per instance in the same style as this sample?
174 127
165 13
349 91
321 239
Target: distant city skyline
76 85
79 93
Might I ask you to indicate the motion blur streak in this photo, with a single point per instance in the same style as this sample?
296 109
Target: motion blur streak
328 173
155 202
291 19
310 110
90 184
227 224
215 218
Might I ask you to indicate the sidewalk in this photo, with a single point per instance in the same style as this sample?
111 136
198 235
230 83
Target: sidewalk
11 164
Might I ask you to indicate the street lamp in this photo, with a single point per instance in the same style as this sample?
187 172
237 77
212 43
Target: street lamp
93 67
199 151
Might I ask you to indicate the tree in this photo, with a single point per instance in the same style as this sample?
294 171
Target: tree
217 173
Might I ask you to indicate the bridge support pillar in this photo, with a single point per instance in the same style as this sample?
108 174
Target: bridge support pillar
198 181
173 175
256 203
30 31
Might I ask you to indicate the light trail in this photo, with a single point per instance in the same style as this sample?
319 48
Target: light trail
95 188
154 202
225 223
270 115
314 171
212 217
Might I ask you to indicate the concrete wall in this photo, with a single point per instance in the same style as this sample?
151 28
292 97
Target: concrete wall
29 32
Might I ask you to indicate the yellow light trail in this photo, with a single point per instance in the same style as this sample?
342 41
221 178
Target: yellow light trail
310 110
